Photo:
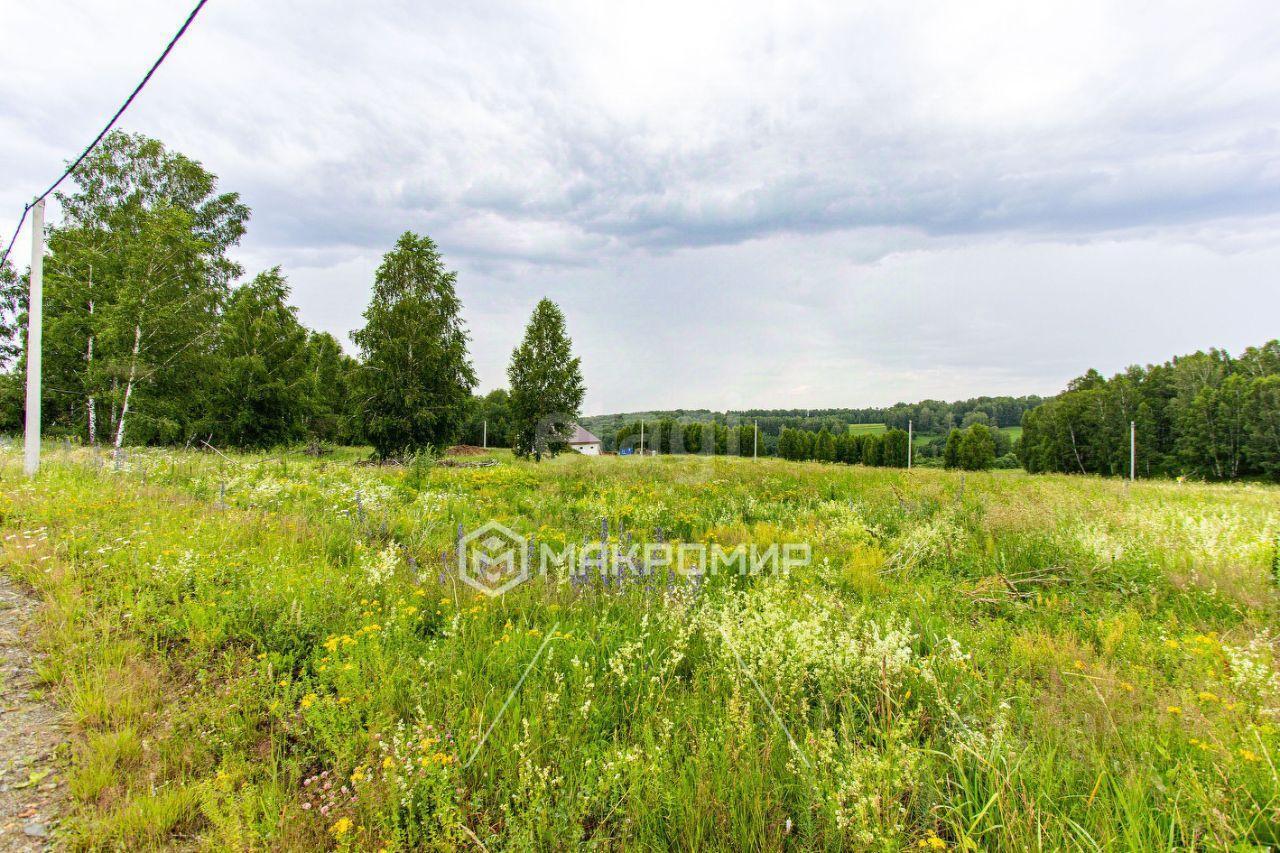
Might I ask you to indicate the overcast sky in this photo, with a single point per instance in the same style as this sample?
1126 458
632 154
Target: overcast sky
737 205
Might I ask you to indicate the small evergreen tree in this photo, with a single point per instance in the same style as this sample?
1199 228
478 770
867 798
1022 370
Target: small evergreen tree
546 385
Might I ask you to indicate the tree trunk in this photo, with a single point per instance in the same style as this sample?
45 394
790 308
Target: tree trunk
91 403
128 388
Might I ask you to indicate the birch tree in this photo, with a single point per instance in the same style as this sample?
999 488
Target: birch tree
416 377
137 273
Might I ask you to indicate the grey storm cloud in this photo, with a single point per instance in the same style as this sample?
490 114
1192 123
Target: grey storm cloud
816 204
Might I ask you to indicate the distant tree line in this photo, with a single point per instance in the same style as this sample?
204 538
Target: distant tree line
929 417
148 340
1208 415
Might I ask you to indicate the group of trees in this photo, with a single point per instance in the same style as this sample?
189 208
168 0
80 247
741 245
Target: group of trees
1207 414
930 418
887 449
147 339
972 449
668 435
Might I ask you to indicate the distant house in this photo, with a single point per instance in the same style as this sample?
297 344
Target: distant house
584 442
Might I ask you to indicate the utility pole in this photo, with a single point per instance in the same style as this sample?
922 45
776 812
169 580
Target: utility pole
910 436
35 323
755 440
642 438
485 440
1133 450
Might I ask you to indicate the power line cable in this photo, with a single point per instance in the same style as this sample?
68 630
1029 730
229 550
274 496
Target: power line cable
105 130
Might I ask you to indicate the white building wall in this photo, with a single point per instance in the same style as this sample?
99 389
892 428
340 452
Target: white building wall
587 449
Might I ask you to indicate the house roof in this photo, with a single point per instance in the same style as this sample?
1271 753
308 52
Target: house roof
581 436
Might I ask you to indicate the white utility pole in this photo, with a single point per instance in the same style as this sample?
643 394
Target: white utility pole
35 323
910 437
642 438
1133 450
485 440
755 440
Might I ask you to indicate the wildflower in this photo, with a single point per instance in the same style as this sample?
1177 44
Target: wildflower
1171 643
308 700
340 827
1174 709
1206 696
1249 755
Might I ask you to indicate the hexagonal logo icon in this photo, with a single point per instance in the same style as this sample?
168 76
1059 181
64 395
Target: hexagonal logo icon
493 559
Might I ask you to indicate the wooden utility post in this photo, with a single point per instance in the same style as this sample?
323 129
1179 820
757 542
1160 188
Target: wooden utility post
35 323
910 437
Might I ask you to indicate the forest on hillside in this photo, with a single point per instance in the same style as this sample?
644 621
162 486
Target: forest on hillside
1207 414
928 417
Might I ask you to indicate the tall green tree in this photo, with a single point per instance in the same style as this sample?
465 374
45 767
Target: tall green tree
10 338
264 390
332 378
951 452
824 446
11 404
136 276
977 451
895 448
416 377
493 409
1264 425
872 450
546 385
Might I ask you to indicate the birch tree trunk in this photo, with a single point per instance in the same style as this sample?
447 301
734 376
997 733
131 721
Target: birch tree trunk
91 403
128 388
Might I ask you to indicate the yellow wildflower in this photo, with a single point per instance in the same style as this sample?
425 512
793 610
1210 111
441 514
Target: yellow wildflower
340 827
1174 709
308 700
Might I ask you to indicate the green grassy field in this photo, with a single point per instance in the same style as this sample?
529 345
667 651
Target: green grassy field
867 429
268 651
